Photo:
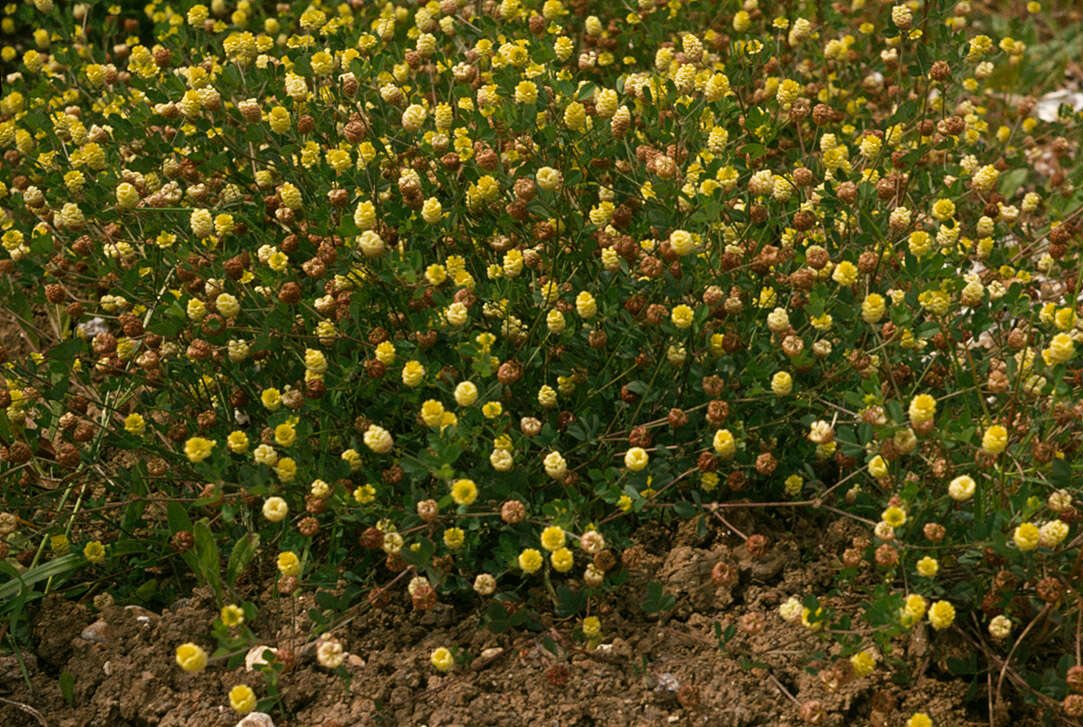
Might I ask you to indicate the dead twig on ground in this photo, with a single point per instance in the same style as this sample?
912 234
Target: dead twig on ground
26 708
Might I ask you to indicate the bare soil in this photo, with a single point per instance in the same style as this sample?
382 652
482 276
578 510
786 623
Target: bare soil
646 671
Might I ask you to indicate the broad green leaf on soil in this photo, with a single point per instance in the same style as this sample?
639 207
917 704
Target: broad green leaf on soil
241 555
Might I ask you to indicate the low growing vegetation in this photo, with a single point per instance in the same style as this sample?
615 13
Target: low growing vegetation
449 298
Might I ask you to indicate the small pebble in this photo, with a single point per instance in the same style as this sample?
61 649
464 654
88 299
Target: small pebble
668 682
256 719
142 615
487 657
97 632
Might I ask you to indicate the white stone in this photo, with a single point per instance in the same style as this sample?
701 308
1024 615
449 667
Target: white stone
142 615
256 719
97 632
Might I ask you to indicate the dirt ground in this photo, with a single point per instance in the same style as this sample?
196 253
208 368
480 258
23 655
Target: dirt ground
645 672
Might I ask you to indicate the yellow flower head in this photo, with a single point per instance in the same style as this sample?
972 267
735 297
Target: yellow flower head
454 538
793 484
724 443
530 560
845 273
592 627
636 459
562 560
464 492
288 563
242 698
275 509
237 441
442 659
941 615
232 615
432 413
271 399
60 543
863 662
781 383
94 551
913 608
377 439
1027 536
809 619
962 488
922 408
894 516
553 537
995 439
412 373
134 424
198 449
285 434
191 658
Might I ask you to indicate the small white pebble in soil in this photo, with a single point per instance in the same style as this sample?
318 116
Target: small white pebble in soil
256 719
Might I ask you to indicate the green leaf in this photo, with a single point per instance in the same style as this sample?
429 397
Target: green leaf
962 667
657 600
55 567
1062 473
317 617
301 66
241 555
177 517
570 602
207 555
146 591
585 91
685 510
1010 182
551 646
67 687
497 617
754 151
420 557
331 602
906 111
132 514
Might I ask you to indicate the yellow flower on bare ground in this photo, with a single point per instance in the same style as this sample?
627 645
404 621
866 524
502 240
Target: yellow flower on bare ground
442 659
592 627
242 698
232 615
191 657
